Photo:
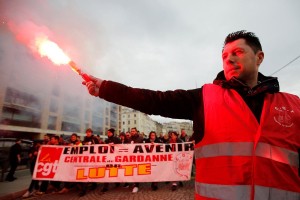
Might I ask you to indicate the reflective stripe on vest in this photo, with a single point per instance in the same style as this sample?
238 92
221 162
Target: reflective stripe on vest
245 149
233 192
223 191
262 193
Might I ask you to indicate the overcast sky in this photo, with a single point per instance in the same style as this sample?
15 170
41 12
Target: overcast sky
155 44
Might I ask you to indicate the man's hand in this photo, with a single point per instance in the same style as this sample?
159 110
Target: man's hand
93 86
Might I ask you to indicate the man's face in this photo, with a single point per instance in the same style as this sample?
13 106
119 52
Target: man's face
53 141
133 131
152 136
173 136
73 138
88 133
183 133
109 134
240 61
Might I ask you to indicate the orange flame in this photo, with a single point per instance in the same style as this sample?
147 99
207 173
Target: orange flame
50 49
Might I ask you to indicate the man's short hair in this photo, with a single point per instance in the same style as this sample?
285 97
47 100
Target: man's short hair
89 130
134 128
74 134
152 132
56 137
251 39
111 130
122 134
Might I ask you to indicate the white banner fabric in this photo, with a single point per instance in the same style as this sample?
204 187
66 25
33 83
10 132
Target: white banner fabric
115 163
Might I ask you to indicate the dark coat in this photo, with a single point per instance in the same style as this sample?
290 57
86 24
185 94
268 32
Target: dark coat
14 151
113 139
157 140
137 139
92 139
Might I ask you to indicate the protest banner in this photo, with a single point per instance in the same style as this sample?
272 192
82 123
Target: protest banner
115 163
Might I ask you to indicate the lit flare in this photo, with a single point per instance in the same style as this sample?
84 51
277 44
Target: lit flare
50 49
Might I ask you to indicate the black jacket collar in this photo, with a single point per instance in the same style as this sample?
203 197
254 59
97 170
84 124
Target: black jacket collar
266 84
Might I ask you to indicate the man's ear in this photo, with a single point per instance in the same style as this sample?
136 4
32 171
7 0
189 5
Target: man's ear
260 57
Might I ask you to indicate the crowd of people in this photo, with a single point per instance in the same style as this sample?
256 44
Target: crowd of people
134 136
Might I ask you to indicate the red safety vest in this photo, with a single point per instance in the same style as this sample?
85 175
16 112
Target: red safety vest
239 158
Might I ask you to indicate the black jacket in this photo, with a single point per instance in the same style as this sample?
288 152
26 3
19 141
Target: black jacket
92 140
186 104
113 139
14 151
137 138
157 140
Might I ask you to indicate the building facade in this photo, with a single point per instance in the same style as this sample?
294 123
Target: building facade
177 126
133 118
30 111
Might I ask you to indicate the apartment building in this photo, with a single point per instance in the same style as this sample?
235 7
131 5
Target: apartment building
50 101
177 126
133 118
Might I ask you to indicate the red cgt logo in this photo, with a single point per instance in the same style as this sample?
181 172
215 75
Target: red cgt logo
47 162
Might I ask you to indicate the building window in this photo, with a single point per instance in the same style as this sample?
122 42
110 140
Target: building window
128 122
70 127
134 121
123 122
52 122
53 105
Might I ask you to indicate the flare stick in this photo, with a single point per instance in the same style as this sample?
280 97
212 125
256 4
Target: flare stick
79 71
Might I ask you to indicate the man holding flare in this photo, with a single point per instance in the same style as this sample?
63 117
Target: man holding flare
246 131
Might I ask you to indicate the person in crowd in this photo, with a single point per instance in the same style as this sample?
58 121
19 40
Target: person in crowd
73 141
135 138
46 139
183 136
242 112
161 137
100 140
165 138
14 159
61 140
152 138
111 139
54 140
34 184
174 139
79 138
89 139
125 140
128 136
